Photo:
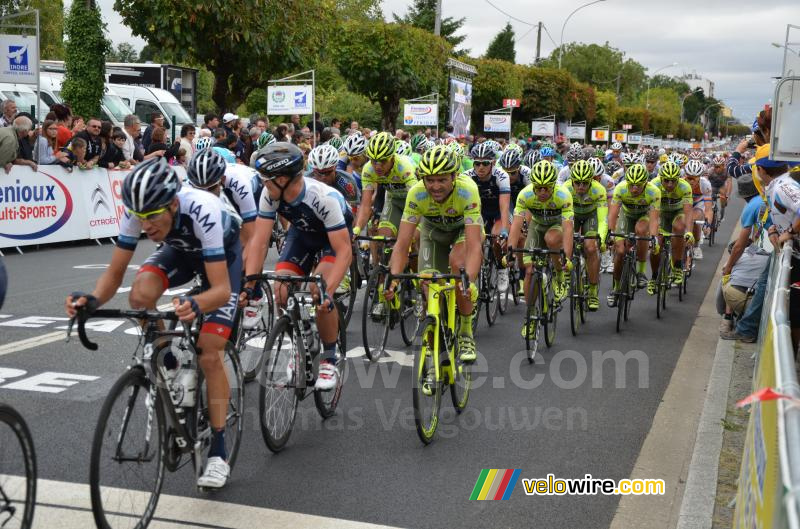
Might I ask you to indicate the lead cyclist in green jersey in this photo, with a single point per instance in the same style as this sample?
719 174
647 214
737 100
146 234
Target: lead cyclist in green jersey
676 207
447 209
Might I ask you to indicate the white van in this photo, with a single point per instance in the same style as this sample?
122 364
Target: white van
25 98
145 101
112 107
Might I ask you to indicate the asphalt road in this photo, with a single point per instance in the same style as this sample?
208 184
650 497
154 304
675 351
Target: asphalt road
586 415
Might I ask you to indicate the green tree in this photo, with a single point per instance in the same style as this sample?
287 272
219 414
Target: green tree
84 61
422 14
51 23
496 80
387 62
242 43
551 91
124 52
607 109
663 100
502 46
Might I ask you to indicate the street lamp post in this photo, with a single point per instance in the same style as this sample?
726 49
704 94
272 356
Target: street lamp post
561 45
709 107
647 104
683 99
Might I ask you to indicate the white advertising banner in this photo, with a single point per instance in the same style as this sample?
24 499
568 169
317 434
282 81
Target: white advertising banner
576 132
420 114
289 99
20 59
543 128
634 138
496 123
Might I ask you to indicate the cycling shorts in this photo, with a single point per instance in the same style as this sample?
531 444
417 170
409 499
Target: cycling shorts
392 213
627 223
667 218
535 238
177 268
301 251
586 225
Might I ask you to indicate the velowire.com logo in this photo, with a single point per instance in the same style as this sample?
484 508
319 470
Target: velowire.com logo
495 484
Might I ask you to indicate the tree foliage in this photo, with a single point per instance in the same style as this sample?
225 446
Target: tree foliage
242 43
387 62
84 64
51 23
552 91
124 52
502 46
422 14
496 80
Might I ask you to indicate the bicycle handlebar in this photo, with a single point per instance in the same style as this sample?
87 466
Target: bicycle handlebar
375 238
288 278
462 275
142 314
630 236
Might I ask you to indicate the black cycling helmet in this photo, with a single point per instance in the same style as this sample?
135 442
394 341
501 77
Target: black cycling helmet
206 168
279 159
150 186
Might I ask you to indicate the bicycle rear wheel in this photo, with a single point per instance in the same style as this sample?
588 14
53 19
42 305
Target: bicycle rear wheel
409 312
375 319
492 293
575 294
326 401
17 471
126 469
549 312
533 318
283 366
249 343
426 392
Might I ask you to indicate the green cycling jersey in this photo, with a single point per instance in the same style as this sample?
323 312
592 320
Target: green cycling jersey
462 207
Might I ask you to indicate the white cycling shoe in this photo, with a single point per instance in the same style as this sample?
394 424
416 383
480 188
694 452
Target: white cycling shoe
215 475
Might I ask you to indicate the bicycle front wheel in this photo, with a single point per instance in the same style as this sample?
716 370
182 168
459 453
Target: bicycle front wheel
426 392
492 293
282 368
18 471
347 299
533 318
326 401
622 294
249 343
126 470
549 312
575 295
375 319
462 381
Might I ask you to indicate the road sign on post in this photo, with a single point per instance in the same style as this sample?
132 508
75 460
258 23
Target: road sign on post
510 103
627 126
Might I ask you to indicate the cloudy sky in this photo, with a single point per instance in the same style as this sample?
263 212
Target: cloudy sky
726 41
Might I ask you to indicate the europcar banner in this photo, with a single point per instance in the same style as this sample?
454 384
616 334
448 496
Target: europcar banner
289 99
420 114
496 123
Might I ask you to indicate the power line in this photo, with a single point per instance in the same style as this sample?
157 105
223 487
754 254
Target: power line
509 16
549 36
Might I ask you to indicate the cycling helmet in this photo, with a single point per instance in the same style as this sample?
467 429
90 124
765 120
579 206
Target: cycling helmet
547 152
639 158
510 159
417 140
669 171
380 146
436 161
581 171
613 166
676 158
430 144
513 147
695 155
150 186
531 157
636 175
355 145
483 151
651 156
597 166
204 143
265 139
616 146
628 158
448 140
663 158
718 160
279 159
457 148
402 148
543 173
495 146
336 141
694 168
206 168
587 152
323 157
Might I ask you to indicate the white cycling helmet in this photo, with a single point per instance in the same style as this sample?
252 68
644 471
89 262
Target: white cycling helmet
597 165
628 158
616 146
403 148
355 144
694 168
203 143
323 157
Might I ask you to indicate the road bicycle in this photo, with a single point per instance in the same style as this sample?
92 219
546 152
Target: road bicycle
436 364
579 284
17 471
666 268
287 374
628 284
150 419
541 315
488 293
378 315
716 218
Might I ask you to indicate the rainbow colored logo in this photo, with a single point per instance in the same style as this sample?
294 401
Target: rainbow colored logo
495 484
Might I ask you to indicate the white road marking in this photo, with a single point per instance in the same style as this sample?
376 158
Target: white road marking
30 343
392 355
68 505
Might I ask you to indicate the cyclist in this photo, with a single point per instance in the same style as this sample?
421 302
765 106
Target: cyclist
519 176
720 183
354 159
447 209
417 140
590 206
616 153
548 208
701 202
639 202
651 164
320 225
403 148
465 162
495 191
564 174
198 237
676 207
323 161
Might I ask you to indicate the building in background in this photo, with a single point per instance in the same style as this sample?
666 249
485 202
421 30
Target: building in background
695 81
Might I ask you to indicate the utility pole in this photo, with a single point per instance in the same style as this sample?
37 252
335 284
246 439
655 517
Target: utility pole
538 43
437 24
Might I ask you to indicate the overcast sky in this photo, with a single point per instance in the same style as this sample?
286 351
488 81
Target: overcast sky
726 41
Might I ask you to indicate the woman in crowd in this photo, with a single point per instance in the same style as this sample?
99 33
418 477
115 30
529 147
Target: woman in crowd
47 150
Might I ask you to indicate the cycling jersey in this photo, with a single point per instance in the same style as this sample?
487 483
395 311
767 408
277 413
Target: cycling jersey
490 189
462 207
239 190
640 205
523 179
202 227
554 210
318 209
589 203
717 180
345 184
608 184
674 200
701 191
397 183
563 175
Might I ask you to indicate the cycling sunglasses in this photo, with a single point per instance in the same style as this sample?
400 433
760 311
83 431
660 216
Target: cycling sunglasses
484 163
148 215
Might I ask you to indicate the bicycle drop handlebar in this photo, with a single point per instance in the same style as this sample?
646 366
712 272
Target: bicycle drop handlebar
85 315
462 276
316 279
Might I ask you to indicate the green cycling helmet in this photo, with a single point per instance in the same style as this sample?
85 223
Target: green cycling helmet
336 141
266 138
543 174
636 175
581 171
436 161
416 140
380 146
669 171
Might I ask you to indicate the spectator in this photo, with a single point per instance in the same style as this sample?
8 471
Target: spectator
114 157
27 143
262 124
336 127
353 127
132 128
295 120
282 133
9 113
9 143
64 122
94 146
182 158
188 133
317 121
210 121
105 137
298 137
78 125
232 124
224 142
47 151
76 154
250 138
325 135
158 144
156 120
